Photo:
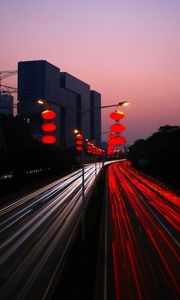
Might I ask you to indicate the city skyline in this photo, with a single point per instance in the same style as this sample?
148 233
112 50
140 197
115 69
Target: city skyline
71 99
126 51
89 149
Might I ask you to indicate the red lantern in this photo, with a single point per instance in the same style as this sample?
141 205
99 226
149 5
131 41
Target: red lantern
89 149
117 128
111 136
79 148
79 142
110 150
48 127
48 139
94 149
79 136
118 140
117 115
48 114
100 151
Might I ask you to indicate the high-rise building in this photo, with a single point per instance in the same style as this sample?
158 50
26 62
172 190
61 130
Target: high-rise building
6 104
95 117
82 92
67 95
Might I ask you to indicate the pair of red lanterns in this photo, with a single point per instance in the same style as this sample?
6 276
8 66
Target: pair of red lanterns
48 127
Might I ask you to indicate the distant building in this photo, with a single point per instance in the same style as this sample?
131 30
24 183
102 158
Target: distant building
64 93
104 145
6 104
81 91
95 117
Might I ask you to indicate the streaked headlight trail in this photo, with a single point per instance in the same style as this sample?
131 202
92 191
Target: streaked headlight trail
36 231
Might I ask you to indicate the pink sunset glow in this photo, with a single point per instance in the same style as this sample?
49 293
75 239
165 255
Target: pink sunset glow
126 50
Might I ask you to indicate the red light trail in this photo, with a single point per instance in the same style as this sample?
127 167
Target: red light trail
145 224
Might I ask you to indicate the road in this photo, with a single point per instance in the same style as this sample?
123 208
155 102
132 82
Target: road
142 231
36 232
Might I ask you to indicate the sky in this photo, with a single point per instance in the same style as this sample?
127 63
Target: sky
125 49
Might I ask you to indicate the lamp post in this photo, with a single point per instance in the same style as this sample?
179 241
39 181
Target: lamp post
77 132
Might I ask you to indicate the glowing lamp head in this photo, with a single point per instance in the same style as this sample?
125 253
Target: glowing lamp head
76 131
41 102
126 103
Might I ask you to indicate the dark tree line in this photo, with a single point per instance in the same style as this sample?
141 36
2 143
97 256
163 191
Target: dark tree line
159 154
20 153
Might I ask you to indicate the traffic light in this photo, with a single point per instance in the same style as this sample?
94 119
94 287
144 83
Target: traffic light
79 142
48 127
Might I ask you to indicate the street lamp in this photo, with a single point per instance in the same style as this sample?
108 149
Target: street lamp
123 103
76 131
42 102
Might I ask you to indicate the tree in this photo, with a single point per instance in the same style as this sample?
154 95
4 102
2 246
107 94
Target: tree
162 150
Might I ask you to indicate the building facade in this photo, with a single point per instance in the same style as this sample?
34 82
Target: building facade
95 117
68 96
6 104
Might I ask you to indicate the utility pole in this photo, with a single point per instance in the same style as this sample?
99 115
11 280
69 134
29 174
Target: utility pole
5 89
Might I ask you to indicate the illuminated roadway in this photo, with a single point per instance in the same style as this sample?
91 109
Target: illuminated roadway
142 232
139 237
36 231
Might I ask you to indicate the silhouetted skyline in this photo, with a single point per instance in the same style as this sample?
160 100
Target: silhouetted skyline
127 50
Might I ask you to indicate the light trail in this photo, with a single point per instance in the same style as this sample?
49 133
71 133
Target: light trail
36 232
145 225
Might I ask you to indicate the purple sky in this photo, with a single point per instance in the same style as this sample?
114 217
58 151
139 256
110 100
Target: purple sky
126 50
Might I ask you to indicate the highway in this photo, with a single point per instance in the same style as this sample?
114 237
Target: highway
143 236
139 251
36 232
